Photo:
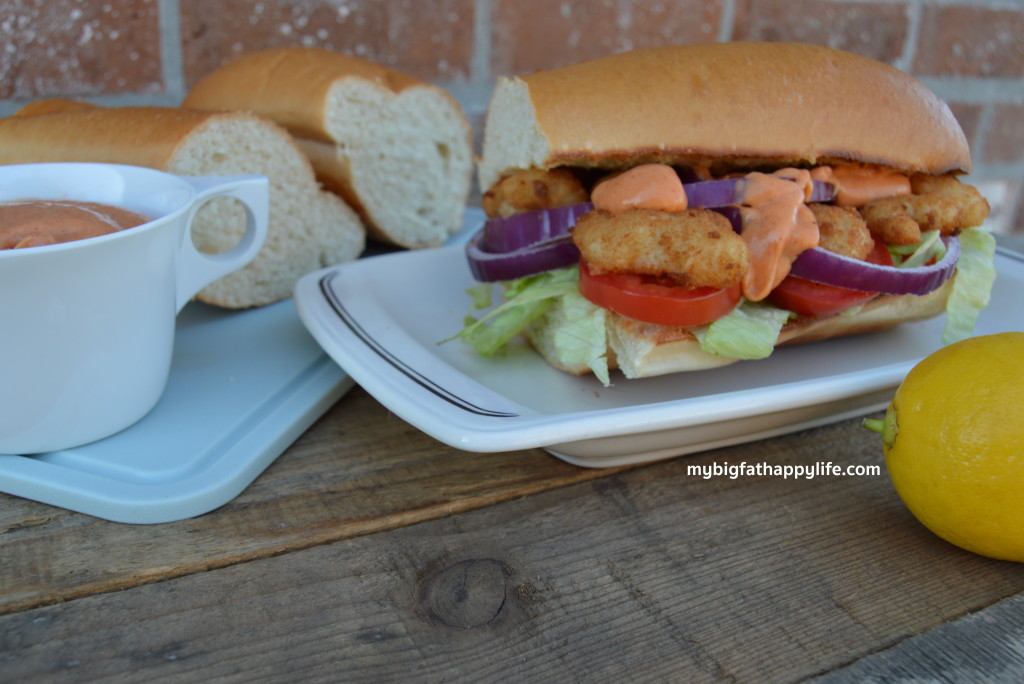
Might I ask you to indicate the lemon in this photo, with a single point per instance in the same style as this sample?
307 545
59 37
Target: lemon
954 444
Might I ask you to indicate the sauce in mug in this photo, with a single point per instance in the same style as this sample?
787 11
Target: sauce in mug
40 222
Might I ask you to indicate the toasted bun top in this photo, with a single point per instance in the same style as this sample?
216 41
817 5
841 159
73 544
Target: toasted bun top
291 85
746 102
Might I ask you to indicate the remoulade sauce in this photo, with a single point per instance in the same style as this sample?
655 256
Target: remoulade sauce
648 186
857 185
40 222
777 226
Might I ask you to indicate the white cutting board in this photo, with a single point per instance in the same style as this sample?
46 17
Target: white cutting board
243 386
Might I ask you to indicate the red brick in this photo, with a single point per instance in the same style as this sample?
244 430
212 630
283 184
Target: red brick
970 41
1004 142
79 48
656 22
527 35
430 40
877 30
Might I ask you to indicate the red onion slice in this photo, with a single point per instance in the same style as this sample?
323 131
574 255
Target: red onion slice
822 191
826 267
721 193
489 267
523 244
510 233
715 193
507 234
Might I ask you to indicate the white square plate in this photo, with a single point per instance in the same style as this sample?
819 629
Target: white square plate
382 319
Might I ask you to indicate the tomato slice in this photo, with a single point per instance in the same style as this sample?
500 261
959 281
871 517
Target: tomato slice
808 298
649 299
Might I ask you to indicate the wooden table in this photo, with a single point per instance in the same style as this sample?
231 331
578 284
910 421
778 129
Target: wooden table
370 552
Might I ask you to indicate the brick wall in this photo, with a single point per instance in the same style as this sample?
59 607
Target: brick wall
119 52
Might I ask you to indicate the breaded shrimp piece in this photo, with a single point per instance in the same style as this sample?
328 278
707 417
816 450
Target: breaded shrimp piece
897 230
940 203
931 212
695 247
974 208
532 190
923 183
842 230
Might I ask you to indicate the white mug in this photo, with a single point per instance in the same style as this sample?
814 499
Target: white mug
87 327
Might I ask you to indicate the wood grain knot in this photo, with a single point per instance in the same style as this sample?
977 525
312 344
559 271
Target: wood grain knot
468 594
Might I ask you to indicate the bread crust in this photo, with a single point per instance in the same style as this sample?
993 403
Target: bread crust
290 85
67 130
744 103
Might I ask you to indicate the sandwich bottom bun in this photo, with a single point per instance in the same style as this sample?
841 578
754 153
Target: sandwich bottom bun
643 350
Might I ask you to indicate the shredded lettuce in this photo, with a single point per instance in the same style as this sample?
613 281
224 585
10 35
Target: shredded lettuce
481 295
526 300
972 287
929 247
577 327
748 332
580 336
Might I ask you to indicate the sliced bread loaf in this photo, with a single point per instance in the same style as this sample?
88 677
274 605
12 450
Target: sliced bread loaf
399 150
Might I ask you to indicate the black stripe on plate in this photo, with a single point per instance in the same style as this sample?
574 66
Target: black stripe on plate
397 363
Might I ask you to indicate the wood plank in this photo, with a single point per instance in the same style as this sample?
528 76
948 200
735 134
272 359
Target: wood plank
652 574
359 470
987 646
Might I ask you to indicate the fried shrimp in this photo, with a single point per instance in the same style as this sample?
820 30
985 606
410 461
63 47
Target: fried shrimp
694 248
533 190
973 206
842 230
930 212
897 230
940 203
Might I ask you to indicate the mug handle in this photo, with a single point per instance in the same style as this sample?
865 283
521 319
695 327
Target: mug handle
198 269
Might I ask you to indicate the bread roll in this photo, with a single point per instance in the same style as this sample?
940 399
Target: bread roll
747 104
309 228
397 149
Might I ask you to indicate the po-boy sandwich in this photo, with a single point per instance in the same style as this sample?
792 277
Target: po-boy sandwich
686 207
